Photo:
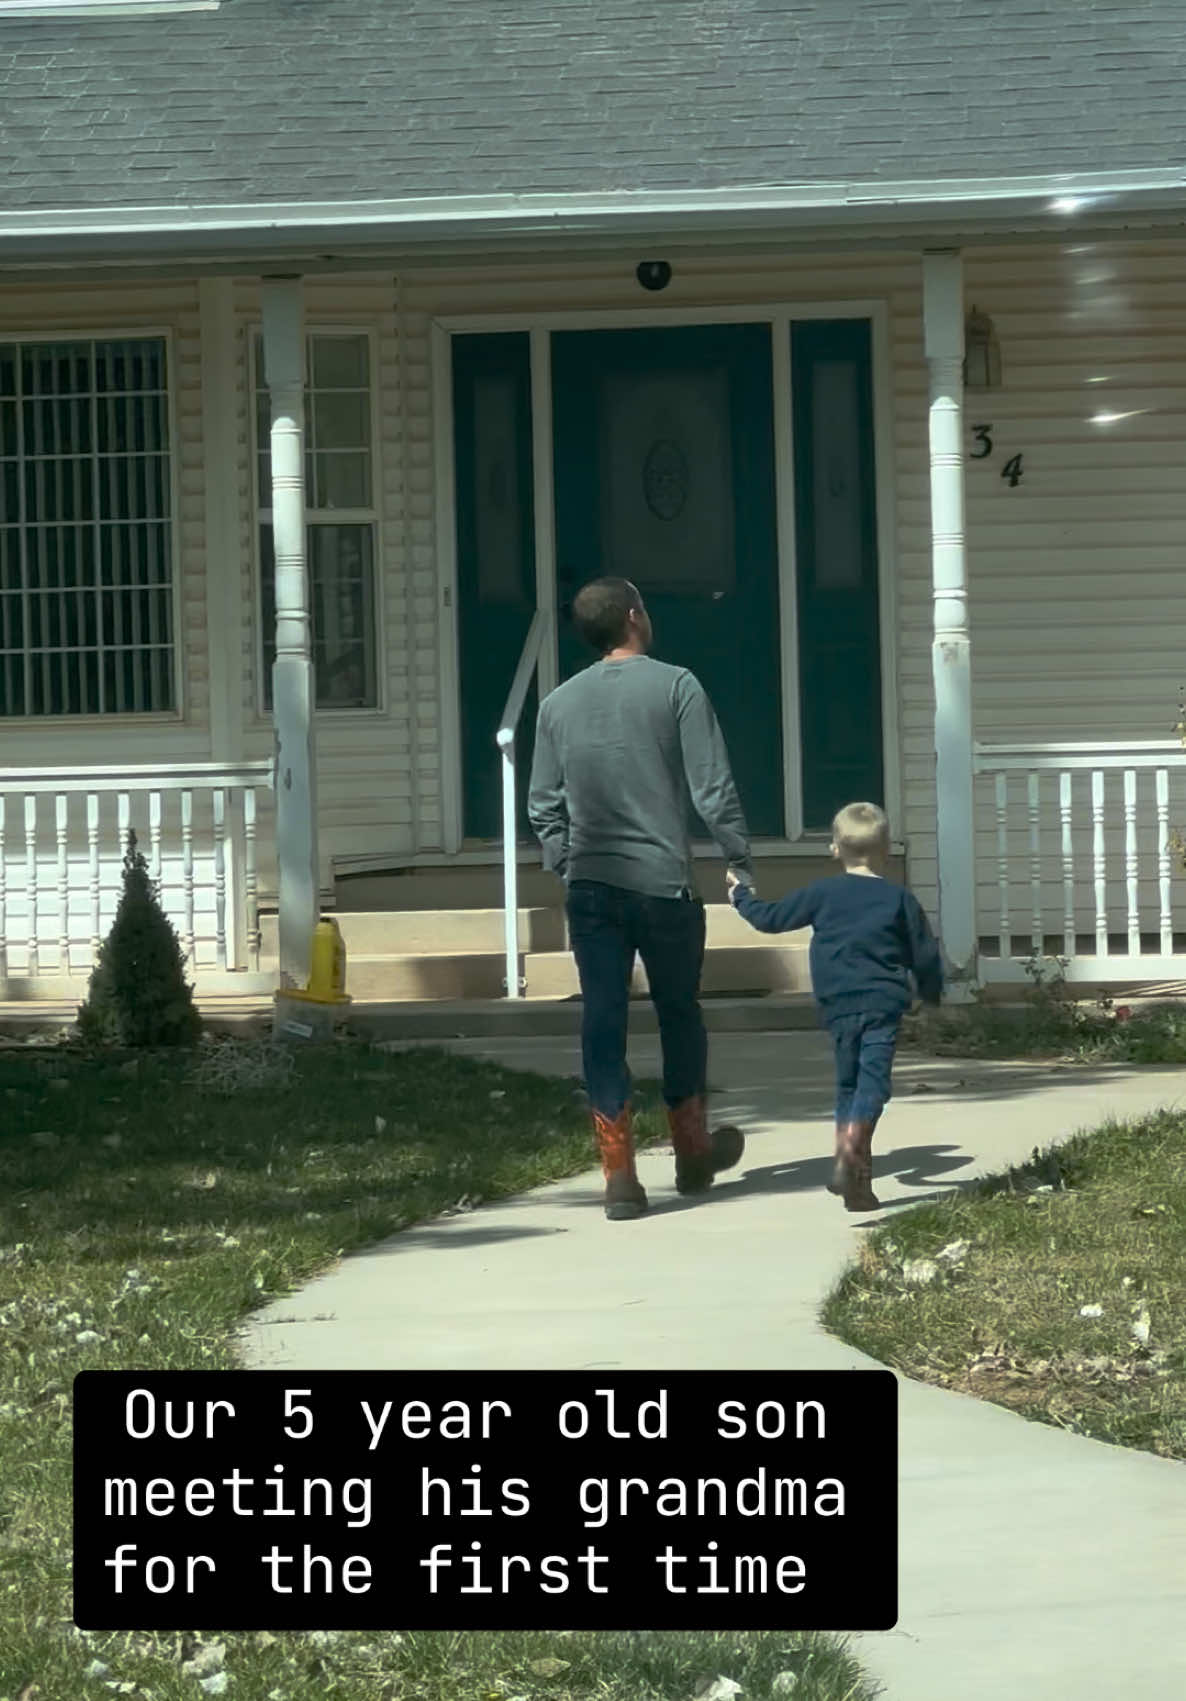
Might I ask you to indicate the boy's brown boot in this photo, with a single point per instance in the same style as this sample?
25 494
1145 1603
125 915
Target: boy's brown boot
857 1166
625 1196
700 1155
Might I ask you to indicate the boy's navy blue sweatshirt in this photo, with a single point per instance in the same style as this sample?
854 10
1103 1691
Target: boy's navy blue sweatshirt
870 936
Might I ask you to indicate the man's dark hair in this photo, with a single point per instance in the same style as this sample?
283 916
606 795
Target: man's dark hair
601 612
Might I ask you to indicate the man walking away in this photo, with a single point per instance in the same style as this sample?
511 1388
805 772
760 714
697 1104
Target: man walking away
623 752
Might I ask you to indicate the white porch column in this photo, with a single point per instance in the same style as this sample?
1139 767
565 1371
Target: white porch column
943 319
292 674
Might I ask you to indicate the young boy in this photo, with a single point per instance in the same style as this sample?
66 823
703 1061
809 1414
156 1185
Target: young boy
869 936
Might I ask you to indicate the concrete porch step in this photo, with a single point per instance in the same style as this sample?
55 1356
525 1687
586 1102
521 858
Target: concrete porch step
478 885
552 974
403 933
461 932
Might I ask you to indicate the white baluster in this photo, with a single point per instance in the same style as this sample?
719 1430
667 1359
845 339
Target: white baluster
1068 867
1164 877
187 871
220 876
1004 927
31 880
250 879
123 819
1037 932
61 810
96 889
3 898
1131 865
155 815
1099 861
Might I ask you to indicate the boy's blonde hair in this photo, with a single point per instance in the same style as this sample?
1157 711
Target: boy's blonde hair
861 831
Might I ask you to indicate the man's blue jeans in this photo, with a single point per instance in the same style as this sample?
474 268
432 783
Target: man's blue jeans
607 926
864 1048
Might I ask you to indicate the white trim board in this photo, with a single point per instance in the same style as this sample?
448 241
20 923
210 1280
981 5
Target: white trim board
782 377
384 862
626 318
220 351
780 316
440 361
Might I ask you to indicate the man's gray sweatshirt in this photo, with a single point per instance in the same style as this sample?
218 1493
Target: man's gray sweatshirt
623 752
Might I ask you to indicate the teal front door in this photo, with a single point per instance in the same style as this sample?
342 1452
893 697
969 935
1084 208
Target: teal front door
664 475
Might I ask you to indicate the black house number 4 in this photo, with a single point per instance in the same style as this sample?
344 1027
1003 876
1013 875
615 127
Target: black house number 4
1012 469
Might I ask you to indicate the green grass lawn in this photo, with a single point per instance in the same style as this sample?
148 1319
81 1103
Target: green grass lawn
1048 1023
143 1213
1058 1290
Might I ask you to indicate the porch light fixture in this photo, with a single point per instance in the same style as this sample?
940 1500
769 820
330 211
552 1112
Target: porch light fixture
982 353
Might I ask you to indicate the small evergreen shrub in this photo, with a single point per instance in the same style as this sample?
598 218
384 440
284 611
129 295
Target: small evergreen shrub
138 994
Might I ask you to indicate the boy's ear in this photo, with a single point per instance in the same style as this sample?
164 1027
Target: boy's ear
834 850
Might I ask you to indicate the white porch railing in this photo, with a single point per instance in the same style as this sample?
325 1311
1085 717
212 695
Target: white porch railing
1074 858
63 834
539 633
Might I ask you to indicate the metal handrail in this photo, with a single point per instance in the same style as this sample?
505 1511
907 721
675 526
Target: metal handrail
505 739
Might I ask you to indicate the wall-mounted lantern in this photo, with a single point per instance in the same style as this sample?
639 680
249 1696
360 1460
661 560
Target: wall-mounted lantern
982 353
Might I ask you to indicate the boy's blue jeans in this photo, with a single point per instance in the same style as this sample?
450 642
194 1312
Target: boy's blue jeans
607 925
864 1048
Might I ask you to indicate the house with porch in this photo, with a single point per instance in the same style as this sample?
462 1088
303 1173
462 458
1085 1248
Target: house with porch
340 344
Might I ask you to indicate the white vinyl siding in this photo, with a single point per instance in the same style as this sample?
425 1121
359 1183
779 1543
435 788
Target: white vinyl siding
1077 601
1077 613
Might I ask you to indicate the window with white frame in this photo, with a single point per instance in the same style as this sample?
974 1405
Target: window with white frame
340 519
86 545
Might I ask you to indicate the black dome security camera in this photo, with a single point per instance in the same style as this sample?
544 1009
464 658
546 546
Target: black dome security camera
654 274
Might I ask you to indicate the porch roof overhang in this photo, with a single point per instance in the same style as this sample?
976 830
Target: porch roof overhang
425 230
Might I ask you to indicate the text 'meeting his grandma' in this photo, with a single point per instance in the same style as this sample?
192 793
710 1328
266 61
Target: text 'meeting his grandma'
517 1500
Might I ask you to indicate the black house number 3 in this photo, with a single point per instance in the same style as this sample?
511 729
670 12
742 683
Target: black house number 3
1012 467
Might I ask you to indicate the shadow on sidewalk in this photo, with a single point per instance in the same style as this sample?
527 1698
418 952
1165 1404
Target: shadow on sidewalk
914 1166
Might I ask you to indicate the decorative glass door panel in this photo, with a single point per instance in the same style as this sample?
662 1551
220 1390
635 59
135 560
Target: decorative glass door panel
495 562
836 568
664 466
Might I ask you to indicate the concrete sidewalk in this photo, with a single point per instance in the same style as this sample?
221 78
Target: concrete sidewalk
1034 1564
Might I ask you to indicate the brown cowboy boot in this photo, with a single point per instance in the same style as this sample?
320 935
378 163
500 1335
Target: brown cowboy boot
857 1166
839 1168
625 1196
700 1155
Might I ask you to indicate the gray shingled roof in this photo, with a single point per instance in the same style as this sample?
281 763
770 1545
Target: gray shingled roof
345 100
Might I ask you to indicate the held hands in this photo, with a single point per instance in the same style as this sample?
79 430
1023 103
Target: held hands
734 884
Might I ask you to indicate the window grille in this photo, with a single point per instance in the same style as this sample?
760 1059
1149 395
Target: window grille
86 546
